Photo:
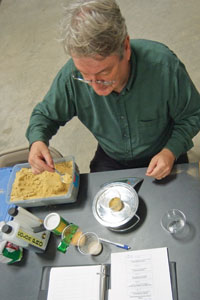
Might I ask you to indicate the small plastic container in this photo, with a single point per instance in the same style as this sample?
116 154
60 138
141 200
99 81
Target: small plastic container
9 233
24 217
69 197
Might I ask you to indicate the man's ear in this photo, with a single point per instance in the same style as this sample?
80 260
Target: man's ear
127 47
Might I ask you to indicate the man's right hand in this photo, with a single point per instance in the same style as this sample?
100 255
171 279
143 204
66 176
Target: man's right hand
40 158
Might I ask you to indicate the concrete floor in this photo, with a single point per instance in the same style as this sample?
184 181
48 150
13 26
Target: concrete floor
30 57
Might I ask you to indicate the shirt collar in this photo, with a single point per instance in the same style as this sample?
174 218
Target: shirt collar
132 71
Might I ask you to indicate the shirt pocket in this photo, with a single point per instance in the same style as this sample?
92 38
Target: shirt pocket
149 131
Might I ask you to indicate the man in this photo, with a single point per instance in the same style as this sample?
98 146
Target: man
135 96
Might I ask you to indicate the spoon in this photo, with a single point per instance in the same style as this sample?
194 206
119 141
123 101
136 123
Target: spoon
61 175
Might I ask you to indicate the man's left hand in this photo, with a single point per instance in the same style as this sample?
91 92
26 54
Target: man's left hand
161 164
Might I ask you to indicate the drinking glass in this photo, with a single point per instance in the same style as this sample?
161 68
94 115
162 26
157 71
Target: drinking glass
89 244
173 221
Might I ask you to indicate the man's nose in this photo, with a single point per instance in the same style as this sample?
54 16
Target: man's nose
93 78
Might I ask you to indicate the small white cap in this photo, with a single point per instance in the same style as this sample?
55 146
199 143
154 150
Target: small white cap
51 221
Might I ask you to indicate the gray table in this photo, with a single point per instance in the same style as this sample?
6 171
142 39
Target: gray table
180 190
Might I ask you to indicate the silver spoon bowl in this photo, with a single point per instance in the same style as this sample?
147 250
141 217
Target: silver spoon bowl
61 175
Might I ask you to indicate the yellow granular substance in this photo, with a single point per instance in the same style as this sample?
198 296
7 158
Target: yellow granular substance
30 186
116 204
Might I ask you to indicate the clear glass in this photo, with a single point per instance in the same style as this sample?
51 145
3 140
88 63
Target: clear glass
69 233
89 244
173 221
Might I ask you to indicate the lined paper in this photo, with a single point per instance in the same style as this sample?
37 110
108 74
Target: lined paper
75 283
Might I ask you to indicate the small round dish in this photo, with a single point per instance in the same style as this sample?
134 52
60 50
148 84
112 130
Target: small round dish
116 220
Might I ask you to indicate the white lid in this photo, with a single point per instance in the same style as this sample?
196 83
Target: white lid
51 221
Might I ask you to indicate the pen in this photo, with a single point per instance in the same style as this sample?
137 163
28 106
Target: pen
115 244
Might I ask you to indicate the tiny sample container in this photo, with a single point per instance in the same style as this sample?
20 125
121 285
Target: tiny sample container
55 223
69 197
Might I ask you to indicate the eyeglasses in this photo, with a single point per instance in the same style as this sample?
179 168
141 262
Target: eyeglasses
103 82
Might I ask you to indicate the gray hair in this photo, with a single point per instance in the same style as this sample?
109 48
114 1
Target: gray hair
93 27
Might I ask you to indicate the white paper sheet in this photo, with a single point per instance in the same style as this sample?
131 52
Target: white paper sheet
74 283
140 275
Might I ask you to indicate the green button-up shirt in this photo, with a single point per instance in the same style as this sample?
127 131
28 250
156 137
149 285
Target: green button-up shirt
158 108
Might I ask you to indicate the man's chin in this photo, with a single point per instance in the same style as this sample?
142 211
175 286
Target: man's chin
103 92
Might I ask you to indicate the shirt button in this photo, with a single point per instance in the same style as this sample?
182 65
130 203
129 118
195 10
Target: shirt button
122 117
125 135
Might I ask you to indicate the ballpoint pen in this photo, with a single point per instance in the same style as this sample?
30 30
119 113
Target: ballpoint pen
115 244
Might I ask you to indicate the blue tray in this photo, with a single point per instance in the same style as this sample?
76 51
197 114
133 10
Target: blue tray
69 197
4 206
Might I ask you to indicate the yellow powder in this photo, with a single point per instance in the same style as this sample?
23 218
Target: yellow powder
116 204
76 237
30 186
